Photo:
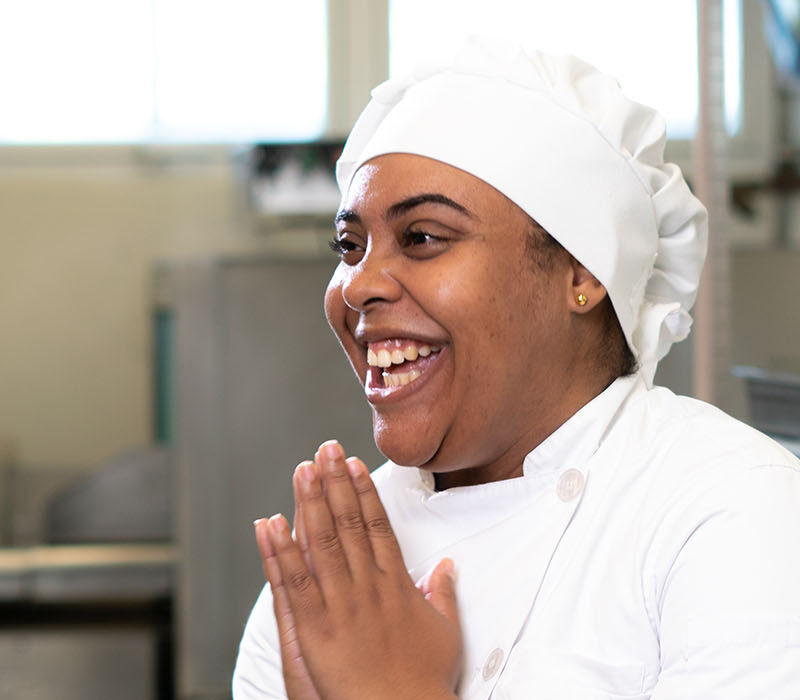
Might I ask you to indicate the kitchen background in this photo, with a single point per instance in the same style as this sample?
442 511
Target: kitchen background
165 204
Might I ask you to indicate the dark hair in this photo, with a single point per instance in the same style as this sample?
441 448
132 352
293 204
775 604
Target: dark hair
615 354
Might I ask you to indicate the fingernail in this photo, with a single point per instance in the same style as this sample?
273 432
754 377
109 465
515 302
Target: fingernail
262 537
307 472
449 569
355 466
331 451
278 524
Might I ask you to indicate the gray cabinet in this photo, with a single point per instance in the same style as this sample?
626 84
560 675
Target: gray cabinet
259 381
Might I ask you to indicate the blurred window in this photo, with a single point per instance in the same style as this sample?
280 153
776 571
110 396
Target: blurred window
150 71
650 46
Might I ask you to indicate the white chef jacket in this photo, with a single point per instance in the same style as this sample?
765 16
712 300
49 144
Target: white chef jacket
651 549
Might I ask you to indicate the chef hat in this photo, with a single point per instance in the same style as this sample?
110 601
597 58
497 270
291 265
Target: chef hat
561 141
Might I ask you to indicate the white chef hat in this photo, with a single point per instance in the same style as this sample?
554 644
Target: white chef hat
560 140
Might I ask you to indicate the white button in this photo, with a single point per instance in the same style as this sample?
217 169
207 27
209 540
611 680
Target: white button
569 485
492 664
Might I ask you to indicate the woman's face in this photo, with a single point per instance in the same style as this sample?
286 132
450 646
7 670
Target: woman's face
461 341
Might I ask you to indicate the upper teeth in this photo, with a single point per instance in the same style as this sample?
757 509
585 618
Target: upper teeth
386 358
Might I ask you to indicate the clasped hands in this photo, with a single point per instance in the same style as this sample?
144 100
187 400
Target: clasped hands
352 624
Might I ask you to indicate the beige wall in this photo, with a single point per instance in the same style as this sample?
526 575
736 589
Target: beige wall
76 246
766 309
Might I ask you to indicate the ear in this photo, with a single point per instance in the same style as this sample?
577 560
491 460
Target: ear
584 291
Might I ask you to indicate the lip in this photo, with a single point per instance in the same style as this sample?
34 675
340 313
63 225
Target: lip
384 394
365 336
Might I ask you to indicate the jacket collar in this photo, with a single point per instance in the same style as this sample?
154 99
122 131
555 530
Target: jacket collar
577 439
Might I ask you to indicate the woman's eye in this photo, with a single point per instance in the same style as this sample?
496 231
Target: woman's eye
343 247
417 238
422 245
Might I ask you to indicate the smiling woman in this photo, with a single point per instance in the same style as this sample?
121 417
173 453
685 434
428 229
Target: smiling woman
420 266
515 259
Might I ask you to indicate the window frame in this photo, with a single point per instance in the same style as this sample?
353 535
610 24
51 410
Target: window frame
751 151
358 55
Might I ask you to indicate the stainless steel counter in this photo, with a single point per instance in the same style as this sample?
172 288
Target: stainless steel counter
86 573
86 621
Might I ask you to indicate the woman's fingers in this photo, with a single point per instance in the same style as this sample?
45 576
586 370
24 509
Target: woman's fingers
345 508
299 520
291 580
342 529
295 673
384 545
325 550
439 589
264 545
272 572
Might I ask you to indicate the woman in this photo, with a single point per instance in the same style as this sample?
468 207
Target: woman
515 259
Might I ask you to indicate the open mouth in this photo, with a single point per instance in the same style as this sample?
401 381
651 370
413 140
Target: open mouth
398 362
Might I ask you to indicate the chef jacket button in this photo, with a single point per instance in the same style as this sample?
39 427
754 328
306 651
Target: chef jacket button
569 485
492 664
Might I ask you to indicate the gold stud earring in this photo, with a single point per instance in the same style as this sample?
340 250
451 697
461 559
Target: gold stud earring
582 299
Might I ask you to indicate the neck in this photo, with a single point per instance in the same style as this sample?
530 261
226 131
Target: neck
508 465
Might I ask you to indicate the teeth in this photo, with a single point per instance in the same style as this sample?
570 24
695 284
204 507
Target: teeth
400 378
384 358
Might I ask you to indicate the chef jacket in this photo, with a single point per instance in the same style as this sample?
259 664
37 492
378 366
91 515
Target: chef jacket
651 549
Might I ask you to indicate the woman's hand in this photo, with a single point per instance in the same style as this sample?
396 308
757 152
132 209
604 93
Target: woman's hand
352 624
296 678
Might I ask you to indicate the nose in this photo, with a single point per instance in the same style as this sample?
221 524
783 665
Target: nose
370 282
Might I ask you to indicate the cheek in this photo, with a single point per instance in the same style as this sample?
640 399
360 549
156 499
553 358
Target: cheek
465 285
335 307
485 302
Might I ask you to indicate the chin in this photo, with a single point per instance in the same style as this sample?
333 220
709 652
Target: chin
395 445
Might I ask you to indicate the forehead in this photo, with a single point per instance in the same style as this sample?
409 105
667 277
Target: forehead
387 179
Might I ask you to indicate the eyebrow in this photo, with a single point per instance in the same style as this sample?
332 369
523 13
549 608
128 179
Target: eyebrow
347 215
406 205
